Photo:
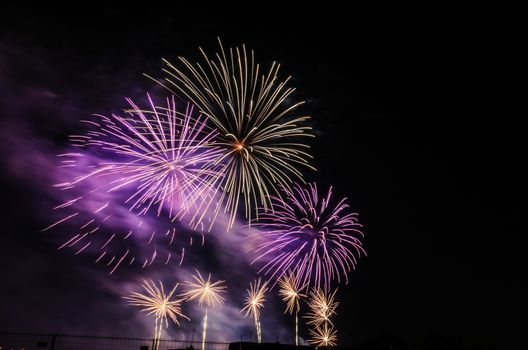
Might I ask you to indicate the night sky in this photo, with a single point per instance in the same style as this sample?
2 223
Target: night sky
414 121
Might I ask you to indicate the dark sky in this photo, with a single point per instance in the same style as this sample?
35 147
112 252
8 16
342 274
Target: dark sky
415 124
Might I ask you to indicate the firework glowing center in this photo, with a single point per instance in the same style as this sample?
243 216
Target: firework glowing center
174 166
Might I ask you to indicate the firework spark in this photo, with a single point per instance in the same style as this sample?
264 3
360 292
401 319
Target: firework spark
158 303
261 142
155 158
290 291
322 307
323 335
254 301
318 241
208 293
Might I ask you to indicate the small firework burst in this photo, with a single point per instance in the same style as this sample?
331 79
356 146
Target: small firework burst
322 307
254 302
323 335
208 294
155 301
290 291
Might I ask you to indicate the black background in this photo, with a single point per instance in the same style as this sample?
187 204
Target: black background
416 121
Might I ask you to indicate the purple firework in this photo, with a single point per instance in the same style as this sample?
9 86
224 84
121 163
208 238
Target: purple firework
154 160
304 233
162 156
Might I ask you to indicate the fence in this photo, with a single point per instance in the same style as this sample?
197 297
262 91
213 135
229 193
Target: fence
21 341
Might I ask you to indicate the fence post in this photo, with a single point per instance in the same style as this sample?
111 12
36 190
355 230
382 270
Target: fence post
53 338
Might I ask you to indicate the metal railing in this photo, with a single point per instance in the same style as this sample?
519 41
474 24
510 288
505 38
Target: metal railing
28 341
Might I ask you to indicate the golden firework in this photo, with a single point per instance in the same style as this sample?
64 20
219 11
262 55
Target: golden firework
254 301
290 292
208 293
155 301
322 307
261 137
323 335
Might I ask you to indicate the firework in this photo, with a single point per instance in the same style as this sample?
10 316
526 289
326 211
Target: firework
322 307
162 156
323 335
261 139
305 233
290 291
149 160
254 301
208 294
158 303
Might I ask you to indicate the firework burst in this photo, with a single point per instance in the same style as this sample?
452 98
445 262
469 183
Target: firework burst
290 291
261 140
162 156
308 235
323 335
155 301
254 301
322 307
155 159
208 294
